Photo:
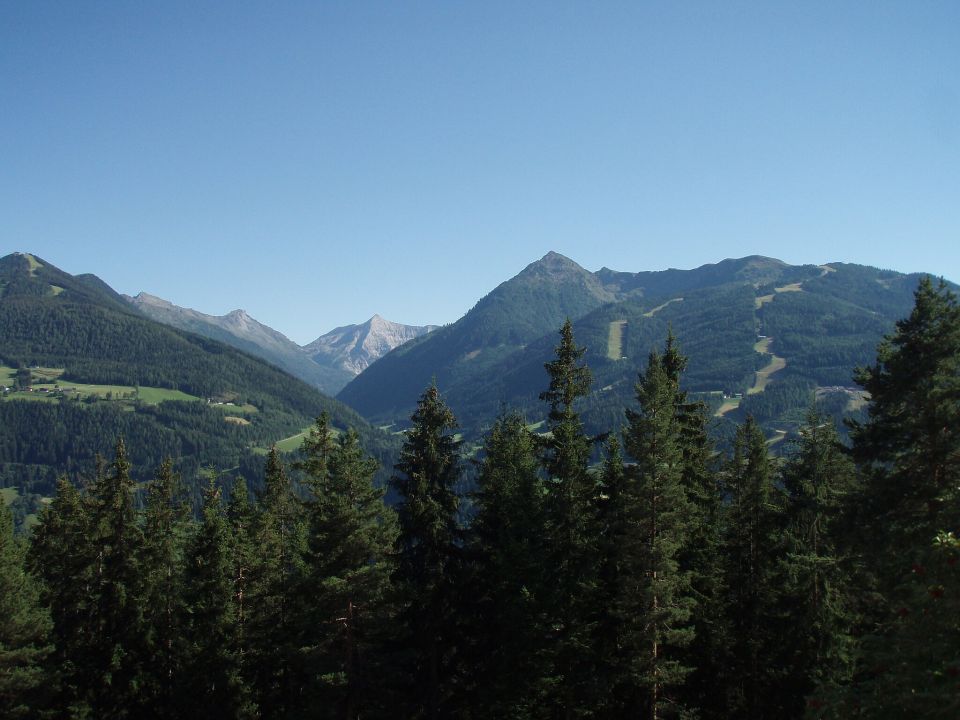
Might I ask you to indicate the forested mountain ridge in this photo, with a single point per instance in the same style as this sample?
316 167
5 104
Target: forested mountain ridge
245 333
328 363
81 367
763 337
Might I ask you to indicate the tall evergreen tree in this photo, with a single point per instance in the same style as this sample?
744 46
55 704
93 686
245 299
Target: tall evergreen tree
428 556
817 614
24 630
908 512
115 655
507 579
613 579
278 535
654 607
910 446
700 553
751 547
62 555
241 520
161 570
571 492
213 685
346 575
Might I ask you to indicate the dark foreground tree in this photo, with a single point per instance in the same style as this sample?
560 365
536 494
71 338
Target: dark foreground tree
507 577
164 610
817 612
428 551
24 630
570 532
751 547
908 515
270 612
653 607
344 589
213 686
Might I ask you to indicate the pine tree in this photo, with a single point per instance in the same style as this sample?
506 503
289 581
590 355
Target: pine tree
213 685
570 529
507 576
241 520
161 566
907 512
428 556
655 605
24 630
817 613
613 528
270 631
345 583
700 554
62 555
113 659
910 446
751 547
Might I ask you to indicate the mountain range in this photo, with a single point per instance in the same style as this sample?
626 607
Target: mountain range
82 365
762 336
328 363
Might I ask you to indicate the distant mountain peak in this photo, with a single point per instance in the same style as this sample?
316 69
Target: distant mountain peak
356 347
554 259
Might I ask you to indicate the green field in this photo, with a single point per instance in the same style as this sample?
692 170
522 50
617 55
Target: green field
293 443
48 379
155 396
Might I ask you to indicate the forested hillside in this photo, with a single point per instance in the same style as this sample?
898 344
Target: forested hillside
762 337
672 581
82 367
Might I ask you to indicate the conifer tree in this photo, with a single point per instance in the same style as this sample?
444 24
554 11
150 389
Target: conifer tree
344 588
907 512
613 527
114 657
570 504
654 606
428 557
817 615
508 577
571 553
276 566
910 446
241 521
24 630
161 571
62 555
751 546
213 686
700 553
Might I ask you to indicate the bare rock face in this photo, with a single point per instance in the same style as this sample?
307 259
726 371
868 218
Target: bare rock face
355 347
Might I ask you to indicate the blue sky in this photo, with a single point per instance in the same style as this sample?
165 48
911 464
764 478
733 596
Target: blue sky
317 162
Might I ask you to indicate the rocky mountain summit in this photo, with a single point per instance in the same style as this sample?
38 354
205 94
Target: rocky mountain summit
355 347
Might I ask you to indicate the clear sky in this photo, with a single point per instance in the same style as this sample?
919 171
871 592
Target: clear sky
317 162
